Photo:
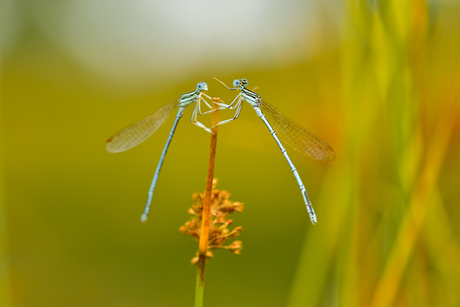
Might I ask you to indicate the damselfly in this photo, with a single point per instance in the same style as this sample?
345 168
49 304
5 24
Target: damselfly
144 128
292 133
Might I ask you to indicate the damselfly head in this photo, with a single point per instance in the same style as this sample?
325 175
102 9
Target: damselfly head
240 82
202 86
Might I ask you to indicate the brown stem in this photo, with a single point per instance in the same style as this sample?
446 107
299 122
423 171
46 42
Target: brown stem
208 193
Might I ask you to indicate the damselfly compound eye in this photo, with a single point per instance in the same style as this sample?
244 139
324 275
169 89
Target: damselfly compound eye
245 82
236 83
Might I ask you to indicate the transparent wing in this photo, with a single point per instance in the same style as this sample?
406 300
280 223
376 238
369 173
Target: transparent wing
296 136
140 130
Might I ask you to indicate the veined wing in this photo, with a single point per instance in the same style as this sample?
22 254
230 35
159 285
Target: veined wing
140 130
296 136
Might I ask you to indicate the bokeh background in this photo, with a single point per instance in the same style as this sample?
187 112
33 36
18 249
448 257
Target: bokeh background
377 80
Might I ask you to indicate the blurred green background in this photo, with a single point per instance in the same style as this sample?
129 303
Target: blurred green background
377 80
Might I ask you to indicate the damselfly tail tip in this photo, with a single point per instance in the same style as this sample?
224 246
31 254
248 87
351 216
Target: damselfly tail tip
144 218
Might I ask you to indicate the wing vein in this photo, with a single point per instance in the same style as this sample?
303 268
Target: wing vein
138 132
299 138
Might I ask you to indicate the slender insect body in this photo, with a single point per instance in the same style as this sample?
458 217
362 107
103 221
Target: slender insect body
144 128
298 137
310 210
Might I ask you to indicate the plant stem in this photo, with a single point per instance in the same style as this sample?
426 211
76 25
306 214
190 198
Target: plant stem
199 286
204 234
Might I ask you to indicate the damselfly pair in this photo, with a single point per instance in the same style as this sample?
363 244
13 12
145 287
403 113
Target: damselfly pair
292 133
